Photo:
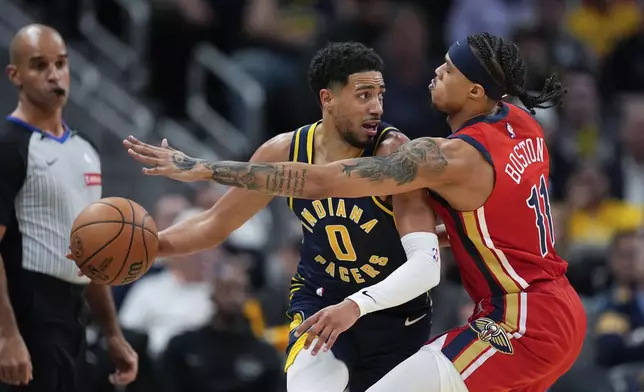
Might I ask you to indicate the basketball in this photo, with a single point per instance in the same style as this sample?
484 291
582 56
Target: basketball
114 241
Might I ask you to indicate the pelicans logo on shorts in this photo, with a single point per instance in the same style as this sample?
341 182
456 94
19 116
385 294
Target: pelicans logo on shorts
492 333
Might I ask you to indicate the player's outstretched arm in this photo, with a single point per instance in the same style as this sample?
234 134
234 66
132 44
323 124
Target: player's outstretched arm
210 228
420 163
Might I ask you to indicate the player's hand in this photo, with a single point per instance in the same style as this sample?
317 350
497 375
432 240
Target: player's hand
163 161
15 362
126 360
328 324
70 256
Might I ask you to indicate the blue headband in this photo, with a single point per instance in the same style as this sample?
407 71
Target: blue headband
464 59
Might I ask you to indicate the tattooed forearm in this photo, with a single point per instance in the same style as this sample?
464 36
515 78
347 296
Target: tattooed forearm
403 165
274 179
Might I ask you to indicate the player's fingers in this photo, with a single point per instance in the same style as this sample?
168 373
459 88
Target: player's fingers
145 159
311 334
153 171
133 140
23 373
14 375
322 338
5 375
145 149
331 341
308 323
165 144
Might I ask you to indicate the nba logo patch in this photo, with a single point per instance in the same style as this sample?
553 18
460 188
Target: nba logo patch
510 130
92 179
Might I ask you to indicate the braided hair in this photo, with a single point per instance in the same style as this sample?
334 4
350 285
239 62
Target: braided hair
503 61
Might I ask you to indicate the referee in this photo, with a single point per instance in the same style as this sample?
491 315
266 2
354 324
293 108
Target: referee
48 174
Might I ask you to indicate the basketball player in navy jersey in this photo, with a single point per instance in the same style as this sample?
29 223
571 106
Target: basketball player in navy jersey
348 243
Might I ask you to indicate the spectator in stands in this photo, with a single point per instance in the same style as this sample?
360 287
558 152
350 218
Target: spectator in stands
595 217
177 26
631 174
582 134
498 17
167 208
279 32
405 49
165 212
564 50
620 326
600 24
172 301
274 298
224 356
623 69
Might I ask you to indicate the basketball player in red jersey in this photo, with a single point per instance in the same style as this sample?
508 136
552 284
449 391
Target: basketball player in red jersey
488 182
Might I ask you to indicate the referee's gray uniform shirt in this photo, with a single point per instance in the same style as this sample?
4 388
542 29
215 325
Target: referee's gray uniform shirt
45 182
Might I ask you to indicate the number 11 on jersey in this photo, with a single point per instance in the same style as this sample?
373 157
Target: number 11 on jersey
543 215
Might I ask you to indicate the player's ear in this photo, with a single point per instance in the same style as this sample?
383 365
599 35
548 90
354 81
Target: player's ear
477 91
326 98
14 75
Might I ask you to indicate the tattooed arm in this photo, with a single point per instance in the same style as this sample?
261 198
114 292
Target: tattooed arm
420 163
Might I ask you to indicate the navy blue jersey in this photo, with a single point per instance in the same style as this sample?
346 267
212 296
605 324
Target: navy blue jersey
348 243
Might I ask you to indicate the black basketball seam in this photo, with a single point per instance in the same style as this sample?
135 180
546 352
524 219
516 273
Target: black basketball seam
122 222
129 248
116 221
107 204
113 221
145 246
87 260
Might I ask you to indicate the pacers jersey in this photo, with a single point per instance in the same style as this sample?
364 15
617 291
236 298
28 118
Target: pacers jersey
507 244
348 243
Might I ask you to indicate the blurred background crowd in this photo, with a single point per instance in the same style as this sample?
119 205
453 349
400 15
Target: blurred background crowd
219 77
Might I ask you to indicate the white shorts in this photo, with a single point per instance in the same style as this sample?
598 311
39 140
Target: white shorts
429 370
320 373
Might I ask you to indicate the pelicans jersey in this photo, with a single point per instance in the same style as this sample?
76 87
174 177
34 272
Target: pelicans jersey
349 244
527 316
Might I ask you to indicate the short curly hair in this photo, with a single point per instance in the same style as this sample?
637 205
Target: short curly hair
336 61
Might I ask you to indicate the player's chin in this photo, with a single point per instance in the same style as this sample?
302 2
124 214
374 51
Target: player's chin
437 100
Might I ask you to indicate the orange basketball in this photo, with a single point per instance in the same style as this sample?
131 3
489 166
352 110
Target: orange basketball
114 241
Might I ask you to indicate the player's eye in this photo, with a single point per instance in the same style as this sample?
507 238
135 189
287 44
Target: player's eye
60 64
363 96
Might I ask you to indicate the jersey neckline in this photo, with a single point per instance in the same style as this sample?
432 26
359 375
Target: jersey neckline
486 118
32 128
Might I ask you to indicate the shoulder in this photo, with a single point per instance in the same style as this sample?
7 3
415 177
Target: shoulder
392 141
278 148
14 146
89 142
13 136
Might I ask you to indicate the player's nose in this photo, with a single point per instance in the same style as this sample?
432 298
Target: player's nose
376 109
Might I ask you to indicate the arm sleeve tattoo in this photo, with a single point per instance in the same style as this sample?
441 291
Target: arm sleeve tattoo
347 178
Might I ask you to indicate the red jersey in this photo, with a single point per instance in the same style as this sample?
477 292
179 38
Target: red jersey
507 244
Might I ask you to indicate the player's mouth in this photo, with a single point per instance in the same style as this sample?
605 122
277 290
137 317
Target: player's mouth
432 84
59 91
371 127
